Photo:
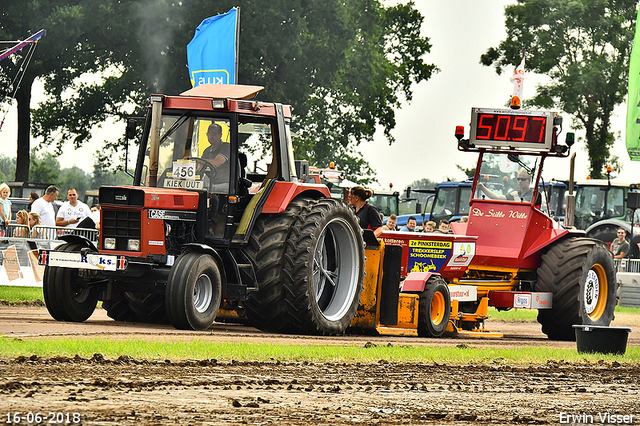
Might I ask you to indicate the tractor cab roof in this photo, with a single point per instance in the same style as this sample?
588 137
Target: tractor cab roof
232 91
224 98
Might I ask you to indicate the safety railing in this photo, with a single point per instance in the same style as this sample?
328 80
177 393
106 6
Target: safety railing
627 265
49 232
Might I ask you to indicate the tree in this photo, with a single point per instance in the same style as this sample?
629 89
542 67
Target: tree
342 65
584 47
7 167
74 177
45 169
102 175
81 39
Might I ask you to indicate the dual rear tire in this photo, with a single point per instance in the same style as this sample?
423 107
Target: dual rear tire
310 268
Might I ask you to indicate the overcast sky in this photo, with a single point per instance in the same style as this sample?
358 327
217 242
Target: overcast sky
460 31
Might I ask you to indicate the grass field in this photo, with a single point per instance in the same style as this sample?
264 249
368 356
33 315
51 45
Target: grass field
198 349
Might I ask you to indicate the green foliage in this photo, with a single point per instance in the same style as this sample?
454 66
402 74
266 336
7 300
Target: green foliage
584 47
344 66
45 169
7 167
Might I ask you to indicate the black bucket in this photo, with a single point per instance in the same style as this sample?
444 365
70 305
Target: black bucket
602 339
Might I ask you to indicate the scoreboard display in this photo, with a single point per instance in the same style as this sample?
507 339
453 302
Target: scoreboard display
512 128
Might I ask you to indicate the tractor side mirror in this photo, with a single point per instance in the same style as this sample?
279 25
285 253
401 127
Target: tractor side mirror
633 200
132 126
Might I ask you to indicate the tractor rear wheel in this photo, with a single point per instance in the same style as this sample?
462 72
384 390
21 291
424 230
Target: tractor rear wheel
323 268
117 307
67 296
194 291
147 308
434 308
266 308
581 275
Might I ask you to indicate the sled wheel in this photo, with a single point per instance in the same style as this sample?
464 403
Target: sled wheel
434 308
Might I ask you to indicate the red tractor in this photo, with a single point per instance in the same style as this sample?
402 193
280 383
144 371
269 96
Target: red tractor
522 255
198 230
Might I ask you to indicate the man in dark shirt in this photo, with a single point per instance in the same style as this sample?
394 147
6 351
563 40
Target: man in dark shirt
217 153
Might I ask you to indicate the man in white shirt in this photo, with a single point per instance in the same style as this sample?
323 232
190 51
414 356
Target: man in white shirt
44 206
72 211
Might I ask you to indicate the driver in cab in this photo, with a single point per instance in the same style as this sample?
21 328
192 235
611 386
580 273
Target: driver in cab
523 194
217 153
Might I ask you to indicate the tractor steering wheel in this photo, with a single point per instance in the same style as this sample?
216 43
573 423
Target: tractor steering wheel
213 170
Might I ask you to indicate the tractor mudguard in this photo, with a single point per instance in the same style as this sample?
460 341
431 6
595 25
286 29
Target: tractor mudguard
417 281
78 239
284 192
204 248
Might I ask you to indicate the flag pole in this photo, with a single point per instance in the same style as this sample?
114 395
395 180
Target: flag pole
237 43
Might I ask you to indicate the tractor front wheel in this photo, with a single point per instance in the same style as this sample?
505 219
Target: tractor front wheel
434 308
581 275
67 296
194 292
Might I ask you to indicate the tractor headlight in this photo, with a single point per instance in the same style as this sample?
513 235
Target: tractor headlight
133 245
219 104
110 243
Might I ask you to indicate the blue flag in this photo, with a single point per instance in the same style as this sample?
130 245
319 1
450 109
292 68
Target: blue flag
212 53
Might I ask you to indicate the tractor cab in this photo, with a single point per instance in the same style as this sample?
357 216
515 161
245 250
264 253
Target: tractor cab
221 145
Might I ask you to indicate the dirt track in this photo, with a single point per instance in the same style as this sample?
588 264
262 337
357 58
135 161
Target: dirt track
127 391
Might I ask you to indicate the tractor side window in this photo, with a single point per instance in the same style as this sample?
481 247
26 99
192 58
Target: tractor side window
465 196
255 139
615 202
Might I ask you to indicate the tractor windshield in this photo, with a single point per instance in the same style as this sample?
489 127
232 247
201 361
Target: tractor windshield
195 152
507 177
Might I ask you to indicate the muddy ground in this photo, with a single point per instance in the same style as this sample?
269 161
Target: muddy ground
126 391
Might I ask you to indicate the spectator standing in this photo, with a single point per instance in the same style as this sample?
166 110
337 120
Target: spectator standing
428 226
411 225
368 215
5 210
32 197
391 223
72 211
620 246
44 206
34 220
634 250
444 226
22 230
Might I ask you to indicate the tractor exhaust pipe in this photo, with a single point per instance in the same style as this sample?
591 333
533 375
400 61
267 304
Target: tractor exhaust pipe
571 197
